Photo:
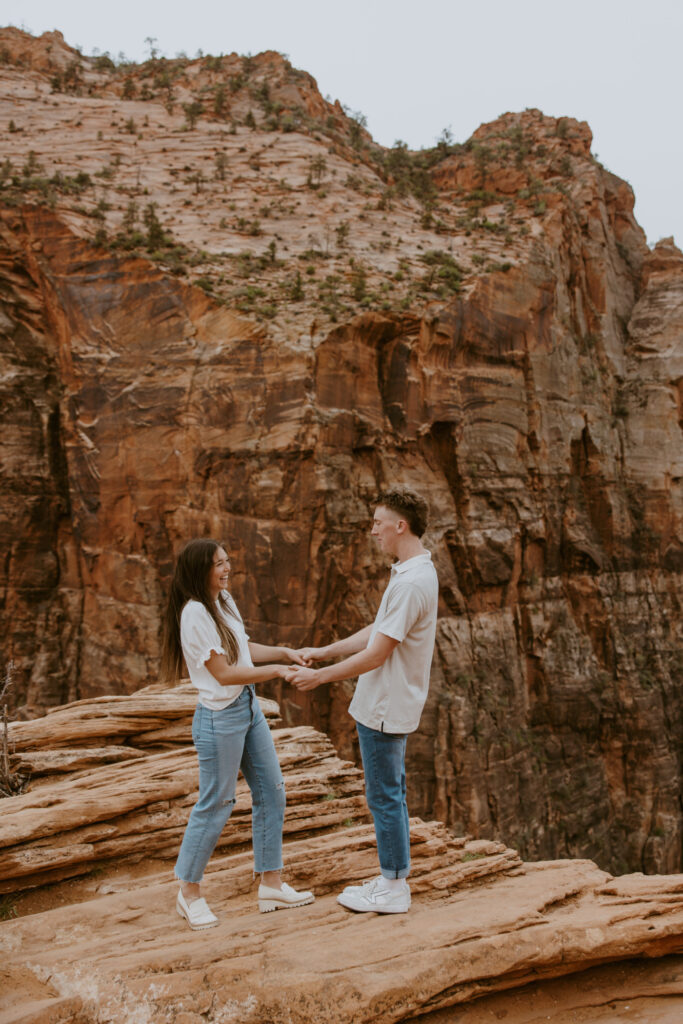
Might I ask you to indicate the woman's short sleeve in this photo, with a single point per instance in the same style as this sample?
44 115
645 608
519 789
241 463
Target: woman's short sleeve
198 635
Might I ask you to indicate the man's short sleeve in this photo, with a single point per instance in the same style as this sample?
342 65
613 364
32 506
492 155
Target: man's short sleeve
199 636
404 608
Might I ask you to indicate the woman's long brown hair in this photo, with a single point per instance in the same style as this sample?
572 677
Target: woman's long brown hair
191 583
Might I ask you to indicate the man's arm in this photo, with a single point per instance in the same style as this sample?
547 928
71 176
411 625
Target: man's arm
339 649
362 661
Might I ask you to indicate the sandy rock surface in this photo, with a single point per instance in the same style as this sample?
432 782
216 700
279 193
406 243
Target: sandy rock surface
86 861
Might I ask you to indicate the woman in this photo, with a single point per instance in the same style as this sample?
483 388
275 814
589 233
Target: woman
204 628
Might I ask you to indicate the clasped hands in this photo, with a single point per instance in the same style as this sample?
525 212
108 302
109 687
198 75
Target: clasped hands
300 674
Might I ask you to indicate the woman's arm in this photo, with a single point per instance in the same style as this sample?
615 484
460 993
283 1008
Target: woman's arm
261 652
242 675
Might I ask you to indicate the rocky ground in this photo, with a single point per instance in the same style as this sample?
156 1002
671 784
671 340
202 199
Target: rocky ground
90 934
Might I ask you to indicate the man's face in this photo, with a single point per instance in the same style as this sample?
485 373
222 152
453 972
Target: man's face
386 529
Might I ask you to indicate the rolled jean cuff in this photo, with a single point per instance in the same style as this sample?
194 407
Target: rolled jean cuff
395 873
189 881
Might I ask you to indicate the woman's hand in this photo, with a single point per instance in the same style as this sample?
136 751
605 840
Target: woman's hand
294 656
307 655
304 678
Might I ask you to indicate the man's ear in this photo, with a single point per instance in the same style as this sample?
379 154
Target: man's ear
401 526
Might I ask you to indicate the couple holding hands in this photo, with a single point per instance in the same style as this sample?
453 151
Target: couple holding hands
391 657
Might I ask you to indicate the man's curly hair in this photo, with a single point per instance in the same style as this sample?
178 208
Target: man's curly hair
407 504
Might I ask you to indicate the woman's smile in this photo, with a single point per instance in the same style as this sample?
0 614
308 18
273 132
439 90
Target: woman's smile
219 575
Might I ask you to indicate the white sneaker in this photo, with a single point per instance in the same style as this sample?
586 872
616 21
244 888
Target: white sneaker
196 913
363 885
281 899
376 896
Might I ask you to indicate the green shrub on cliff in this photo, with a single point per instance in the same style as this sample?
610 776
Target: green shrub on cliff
192 113
156 236
408 171
443 274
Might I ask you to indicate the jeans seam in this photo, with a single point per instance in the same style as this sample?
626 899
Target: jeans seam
205 724
381 800
198 845
262 836
387 830
266 808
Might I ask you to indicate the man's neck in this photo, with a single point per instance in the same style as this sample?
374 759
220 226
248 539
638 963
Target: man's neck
409 547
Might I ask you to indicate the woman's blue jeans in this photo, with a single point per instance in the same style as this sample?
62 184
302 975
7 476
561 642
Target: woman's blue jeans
384 757
236 737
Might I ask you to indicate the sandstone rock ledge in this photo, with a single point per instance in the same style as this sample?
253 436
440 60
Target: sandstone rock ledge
87 854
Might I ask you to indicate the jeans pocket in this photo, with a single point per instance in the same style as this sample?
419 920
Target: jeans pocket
196 724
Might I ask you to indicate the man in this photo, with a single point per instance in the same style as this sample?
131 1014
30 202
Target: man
392 658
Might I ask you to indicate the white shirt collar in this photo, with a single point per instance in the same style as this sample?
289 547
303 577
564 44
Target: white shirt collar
424 556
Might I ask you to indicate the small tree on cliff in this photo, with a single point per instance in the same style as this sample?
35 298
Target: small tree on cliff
358 123
220 101
130 217
317 170
342 232
482 158
192 112
152 43
221 161
444 142
359 282
296 293
156 238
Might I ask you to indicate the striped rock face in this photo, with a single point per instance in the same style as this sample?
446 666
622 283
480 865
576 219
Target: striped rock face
251 345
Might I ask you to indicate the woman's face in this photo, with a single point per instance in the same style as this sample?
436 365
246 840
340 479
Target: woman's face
219 573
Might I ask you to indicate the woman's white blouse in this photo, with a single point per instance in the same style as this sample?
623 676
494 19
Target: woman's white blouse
199 638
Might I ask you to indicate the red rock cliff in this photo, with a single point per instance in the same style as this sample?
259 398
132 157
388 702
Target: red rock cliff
508 344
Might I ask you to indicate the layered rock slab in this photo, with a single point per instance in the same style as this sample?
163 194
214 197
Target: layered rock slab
126 803
126 952
99 939
628 992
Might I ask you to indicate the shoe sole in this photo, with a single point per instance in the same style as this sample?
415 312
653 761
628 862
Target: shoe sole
266 906
372 910
194 927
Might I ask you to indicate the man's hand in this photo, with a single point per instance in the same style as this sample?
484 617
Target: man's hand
303 678
294 656
310 654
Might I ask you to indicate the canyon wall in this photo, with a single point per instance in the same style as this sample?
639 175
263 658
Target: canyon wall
538 404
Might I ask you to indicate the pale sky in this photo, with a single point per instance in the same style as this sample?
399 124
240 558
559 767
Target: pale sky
415 67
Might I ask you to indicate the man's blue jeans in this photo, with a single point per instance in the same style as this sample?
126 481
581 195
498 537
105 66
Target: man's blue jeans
236 737
383 757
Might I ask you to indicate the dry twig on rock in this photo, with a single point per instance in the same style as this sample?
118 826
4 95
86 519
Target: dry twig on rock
11 782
